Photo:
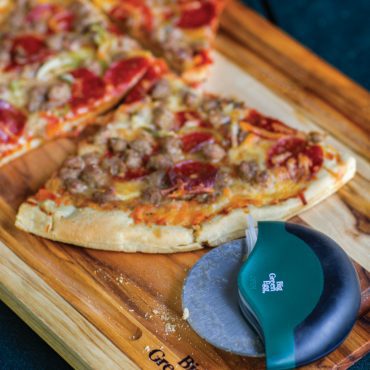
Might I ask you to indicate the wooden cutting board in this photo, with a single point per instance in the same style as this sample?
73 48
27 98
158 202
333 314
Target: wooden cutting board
106 310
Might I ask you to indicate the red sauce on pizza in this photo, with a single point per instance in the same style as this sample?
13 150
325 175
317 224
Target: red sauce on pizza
193 176
27 49
12 122
302 198
286 149
44 194
121 73
195 140
86 89
196 14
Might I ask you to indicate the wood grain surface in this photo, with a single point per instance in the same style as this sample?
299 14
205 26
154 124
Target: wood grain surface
54 319
121 306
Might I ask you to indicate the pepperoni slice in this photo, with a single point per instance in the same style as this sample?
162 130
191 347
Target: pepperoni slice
133 174
316 155
196 14
269 124
27 49
87 88
286 149
192 176
129 9
123 73
195 140
12 122
152 75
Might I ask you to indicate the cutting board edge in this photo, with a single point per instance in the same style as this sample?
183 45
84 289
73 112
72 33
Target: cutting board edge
61 341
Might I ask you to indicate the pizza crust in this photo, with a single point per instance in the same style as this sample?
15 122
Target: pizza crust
116 231
106 230
225 228
32 144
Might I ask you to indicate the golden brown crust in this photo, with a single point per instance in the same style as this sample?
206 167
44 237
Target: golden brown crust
106 230
115 230
232 226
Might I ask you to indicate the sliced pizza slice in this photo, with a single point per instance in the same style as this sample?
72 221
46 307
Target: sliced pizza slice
31 113
97 67
180 31
34 31
179 170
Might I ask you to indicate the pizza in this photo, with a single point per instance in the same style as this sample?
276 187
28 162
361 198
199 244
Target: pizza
180 31
55 80
177 170
34 31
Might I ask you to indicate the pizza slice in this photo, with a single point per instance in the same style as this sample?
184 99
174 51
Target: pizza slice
68 88
34 31
179 170
180 31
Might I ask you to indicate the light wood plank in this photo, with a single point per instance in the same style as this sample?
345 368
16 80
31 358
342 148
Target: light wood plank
54 319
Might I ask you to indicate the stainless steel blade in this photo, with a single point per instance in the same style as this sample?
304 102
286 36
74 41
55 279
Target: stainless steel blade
210 294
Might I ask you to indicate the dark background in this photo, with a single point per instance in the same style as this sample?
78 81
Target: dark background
337 30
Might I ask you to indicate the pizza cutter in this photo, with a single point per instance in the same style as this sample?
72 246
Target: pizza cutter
291 294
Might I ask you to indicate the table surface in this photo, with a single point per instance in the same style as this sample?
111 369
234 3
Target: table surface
328 33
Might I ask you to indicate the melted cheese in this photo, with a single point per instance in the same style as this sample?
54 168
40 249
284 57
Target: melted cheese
128 190
252 148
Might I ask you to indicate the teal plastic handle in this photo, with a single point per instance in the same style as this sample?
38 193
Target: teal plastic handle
281 283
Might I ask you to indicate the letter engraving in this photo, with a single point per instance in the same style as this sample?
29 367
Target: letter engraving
271 285
188 363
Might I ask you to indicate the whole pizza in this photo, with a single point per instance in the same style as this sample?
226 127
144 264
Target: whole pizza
167 167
